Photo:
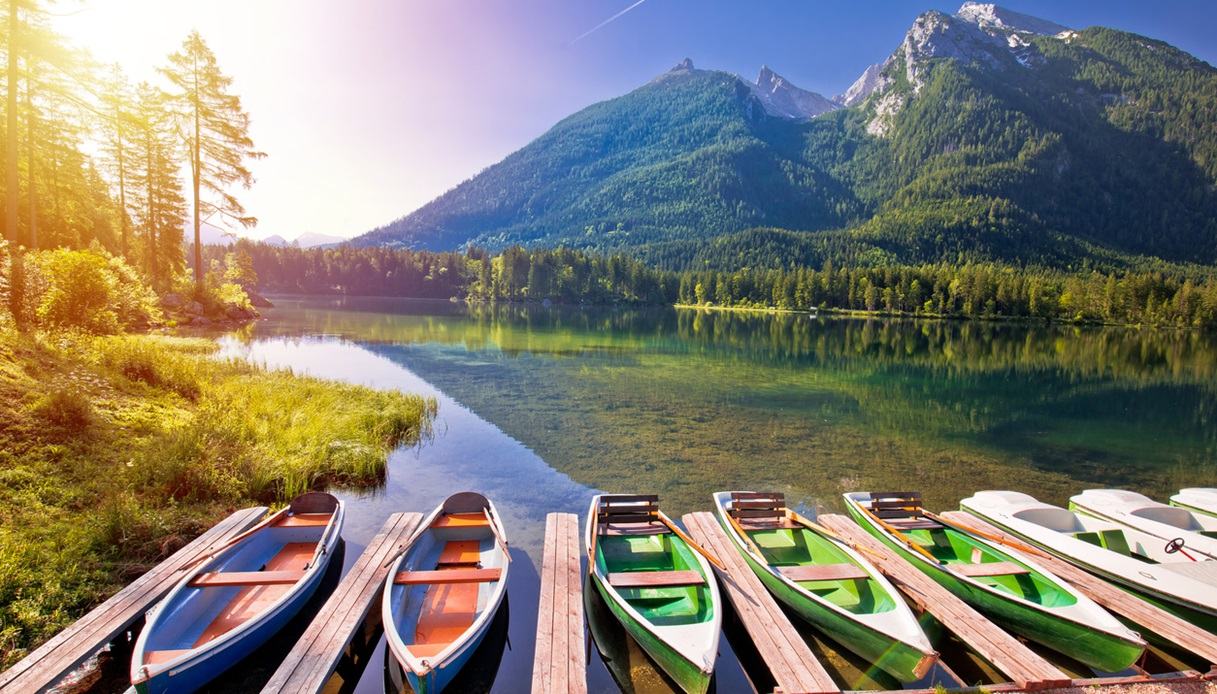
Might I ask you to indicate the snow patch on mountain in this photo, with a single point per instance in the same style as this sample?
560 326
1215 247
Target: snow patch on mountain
993 18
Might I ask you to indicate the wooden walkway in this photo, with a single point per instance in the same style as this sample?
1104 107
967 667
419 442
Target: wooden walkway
560 662
64 652
793 666
332 634
1149 617
1024 667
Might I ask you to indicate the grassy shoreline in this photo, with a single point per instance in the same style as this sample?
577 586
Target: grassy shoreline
115 451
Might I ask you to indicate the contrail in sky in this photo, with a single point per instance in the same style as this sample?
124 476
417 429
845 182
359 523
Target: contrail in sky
601 25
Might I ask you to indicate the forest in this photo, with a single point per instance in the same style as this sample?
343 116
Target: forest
562 275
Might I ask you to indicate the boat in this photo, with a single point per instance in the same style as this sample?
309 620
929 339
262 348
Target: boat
443 591
1009 588
1187 532
1197 499
236 598
1129 558
657 584
827 582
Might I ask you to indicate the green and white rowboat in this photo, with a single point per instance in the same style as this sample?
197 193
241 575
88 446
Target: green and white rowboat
1197 499
1127 557
658 586
826 582
1195 534
1009 588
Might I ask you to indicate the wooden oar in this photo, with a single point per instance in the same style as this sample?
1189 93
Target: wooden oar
591 546
663 517
801 520
494 530
899 535
740 529
1013 544
265 522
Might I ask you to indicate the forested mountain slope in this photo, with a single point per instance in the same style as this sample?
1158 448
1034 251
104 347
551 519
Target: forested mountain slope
982 137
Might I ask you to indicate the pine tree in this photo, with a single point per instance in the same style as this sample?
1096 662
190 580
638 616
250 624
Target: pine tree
217 137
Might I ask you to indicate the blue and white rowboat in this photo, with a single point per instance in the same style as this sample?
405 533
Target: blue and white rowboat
441 595
233 601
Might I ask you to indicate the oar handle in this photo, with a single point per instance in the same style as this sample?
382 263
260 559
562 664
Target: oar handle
899 535
663 517
494 529
802 520
1024 548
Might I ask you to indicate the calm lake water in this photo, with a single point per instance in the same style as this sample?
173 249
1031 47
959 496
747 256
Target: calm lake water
541 408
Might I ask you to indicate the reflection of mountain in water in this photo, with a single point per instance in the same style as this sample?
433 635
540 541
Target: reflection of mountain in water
686 402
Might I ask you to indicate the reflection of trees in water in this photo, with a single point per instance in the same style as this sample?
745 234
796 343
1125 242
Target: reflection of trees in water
679 401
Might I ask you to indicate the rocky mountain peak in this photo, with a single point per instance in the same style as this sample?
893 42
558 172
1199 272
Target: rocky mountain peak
785 100
993 18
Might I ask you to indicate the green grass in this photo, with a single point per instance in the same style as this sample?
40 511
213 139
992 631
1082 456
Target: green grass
115 451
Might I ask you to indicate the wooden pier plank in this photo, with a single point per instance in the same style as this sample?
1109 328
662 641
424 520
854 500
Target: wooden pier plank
65 651
793 666
1006 653
315 657
1148 616
559 662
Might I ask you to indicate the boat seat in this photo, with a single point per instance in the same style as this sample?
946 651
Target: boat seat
912 523
461 553
158 657
654 579
644 528
251 600
767 524
304 520
215 579
445 576
993 568
823 572
461 520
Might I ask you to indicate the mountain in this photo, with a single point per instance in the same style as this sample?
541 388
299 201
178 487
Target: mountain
985 135
276 240
311 239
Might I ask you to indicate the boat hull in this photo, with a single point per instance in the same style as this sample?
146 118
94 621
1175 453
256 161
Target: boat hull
683 672
1097 649
893 656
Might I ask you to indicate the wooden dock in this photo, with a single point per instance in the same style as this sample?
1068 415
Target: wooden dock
560 661
1025 668
1149 617
349 621
793 666
64 652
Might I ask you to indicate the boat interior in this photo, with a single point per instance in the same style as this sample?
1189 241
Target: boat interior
817 564
962 554
1096 531
449 576
648 565
243 581
1178 518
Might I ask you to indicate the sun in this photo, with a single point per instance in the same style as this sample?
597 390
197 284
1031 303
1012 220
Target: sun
135 34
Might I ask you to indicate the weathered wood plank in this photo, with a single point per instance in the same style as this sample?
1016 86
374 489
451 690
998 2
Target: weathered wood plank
793 666
65 651
1149 617
558 662
314 658
1003 651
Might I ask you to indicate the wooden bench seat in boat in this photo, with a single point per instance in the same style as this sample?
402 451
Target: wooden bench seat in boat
253 598
913 523
460 554
460 520
445 576
992 568
304 520
644 528
217 579
767 524
823 572
654 579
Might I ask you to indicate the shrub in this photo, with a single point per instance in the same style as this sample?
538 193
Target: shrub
86 290
65 408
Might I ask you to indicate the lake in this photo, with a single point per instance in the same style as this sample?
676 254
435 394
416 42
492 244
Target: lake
539 408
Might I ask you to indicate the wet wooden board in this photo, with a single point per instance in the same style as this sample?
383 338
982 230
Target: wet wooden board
313 660
1024 667
793 666
560 661
69 648
1149 617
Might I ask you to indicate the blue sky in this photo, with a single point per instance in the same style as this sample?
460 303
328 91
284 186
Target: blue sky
370 108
